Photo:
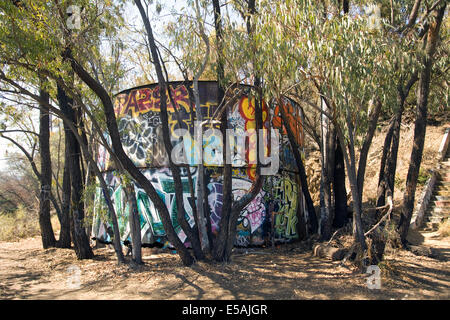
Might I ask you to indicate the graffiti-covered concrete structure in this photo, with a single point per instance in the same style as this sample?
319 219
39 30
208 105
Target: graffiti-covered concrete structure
276 213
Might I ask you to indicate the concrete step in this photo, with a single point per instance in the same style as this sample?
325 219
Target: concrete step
438 213
430 226
437 210
434 219
445 193
442 203
441 198
442 185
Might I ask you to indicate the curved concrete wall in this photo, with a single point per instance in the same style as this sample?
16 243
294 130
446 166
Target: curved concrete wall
276 213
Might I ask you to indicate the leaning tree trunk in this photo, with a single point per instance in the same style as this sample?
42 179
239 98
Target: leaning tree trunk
348 151
125 161
386 180
48 237
312 218
256 186
79 237
191 232
364 153
423 91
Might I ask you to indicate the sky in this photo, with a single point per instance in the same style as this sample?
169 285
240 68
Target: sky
3 158
131 14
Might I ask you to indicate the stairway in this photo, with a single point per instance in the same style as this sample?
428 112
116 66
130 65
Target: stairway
439 205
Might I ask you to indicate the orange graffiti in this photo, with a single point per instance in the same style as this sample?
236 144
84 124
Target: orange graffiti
294 121
247 111
143 100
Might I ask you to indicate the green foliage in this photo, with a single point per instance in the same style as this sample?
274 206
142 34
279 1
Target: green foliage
399 182
423 177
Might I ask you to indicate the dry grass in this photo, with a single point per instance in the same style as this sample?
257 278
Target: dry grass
444 228
21 224
433 139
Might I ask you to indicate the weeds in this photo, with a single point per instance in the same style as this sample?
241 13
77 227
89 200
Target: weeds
19 224
444 228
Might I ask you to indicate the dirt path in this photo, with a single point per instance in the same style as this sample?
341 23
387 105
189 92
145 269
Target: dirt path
288 272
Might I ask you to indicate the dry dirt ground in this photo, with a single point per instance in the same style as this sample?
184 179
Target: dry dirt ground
287 272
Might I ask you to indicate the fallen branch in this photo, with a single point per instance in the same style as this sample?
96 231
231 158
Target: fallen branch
390 204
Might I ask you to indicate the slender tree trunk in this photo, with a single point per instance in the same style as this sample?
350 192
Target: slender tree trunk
423 91
48 237
350 163
221 240
313 225
327 174
386 180
125 161
382 180
340 192
79 237
256 186
327 211
366 146
191 232
239 205
135 225
64 236
201 190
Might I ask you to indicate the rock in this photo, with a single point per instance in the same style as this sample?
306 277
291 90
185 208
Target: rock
424 251
328 252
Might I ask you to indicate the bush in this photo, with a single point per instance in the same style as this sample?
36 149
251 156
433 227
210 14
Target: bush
22 223
444 228
423 176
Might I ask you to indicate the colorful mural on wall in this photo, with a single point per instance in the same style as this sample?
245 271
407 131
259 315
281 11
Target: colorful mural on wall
272 215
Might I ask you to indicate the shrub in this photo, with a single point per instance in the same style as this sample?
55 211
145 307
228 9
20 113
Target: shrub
22 223
444 228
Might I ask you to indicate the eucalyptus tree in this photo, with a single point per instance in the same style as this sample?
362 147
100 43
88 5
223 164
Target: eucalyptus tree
17 128
33 37
188 37
346 61
430 43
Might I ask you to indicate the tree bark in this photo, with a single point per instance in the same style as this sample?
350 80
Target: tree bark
350 163
386 180
221 240
423 91
135 224
79 237
48 237
126 162
256 186
312 218
365 148
382 181
64 236
327 174
191 232
340 192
